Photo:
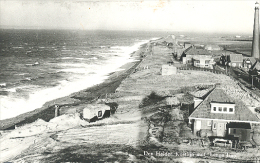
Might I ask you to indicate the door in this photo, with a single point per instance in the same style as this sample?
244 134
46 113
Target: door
221 129
198 125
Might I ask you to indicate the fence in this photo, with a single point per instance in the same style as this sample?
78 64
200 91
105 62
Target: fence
201 69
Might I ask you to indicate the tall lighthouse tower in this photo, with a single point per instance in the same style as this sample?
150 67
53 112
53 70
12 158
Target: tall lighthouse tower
255 44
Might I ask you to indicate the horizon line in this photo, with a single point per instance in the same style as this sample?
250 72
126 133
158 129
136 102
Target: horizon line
150 30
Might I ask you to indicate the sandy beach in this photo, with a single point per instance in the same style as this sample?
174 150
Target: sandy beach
82 97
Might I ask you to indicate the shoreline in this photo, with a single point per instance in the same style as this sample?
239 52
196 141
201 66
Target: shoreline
85 96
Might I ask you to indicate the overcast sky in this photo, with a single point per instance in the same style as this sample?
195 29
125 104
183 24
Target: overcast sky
196 15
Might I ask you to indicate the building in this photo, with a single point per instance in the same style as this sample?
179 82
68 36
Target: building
239 131
255 69
202 61
170 41
169 70
198 58
249 62
235 60
214 114
93 112
223 60
187 45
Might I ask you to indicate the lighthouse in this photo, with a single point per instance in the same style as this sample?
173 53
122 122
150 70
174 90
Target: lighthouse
255 44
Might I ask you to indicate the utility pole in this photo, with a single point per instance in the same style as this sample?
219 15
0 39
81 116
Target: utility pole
253 80
226 60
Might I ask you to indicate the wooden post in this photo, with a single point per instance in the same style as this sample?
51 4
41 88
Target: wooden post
57 107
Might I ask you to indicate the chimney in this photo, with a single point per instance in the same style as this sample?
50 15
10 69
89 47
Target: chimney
255 44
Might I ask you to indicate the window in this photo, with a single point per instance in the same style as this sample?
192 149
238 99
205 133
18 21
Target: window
234 131
215 126
99 113
222 108
207 62
209 123
197 61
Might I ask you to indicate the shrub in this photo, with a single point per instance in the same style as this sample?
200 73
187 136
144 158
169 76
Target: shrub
151 99
257 109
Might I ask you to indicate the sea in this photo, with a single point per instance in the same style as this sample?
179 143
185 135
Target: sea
37 66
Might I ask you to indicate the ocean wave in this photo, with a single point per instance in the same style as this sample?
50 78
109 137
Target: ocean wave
2 84
18 47
80 58
11 90
75 70
94 58
67 58
95 72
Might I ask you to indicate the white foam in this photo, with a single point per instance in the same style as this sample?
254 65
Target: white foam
12 106
18 47
67 58
11 90
80 58
94 58
75 70
2 84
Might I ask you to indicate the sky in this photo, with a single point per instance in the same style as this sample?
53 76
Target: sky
171 15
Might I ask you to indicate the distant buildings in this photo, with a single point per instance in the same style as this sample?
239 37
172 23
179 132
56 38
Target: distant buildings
249 62
223 60
170 41
187 45
255 69
168 70
235 60
197 57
